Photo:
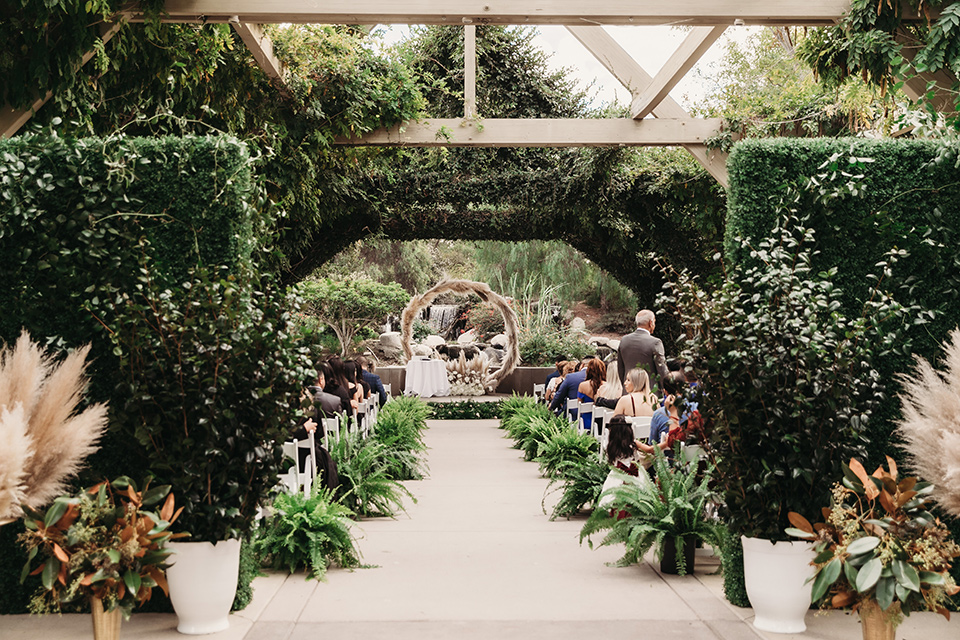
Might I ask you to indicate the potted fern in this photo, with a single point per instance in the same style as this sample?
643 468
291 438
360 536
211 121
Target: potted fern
669 514
880 549
308 532
103 544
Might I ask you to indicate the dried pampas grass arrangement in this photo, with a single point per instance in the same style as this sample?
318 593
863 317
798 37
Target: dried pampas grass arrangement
42 439
930 426
465 287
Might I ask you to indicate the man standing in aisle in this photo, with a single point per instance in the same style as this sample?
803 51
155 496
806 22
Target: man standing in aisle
641 349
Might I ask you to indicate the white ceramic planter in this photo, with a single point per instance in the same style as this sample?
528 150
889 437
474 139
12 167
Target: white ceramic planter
203 583
775 576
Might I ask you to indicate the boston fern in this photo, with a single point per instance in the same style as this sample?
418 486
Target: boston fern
366 487
673 506
542 430
566 446
518 423
581 483
311 532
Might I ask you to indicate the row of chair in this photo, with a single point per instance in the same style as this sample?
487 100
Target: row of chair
363 420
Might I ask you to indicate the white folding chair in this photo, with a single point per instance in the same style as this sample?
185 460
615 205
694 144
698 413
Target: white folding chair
303 479
539 390
291 478
604 415
388 388
641 427
573 405
586 409
691 452
331 431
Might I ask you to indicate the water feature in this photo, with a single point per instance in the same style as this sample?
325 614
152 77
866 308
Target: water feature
441 316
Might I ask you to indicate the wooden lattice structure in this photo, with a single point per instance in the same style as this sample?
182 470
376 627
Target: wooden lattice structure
670 125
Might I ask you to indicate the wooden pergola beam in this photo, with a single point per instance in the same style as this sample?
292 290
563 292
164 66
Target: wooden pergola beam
697 42
11 120
469 71
261 47
629 72
563 12
557 132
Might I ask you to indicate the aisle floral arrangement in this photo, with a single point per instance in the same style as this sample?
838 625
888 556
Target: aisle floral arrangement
880 550
469 377
101 543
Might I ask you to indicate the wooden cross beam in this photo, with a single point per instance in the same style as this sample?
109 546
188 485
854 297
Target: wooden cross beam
632 76
564 12
540 132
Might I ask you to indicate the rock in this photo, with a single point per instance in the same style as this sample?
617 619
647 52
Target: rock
578 324
499 340
434 341
422 350
453 351
604 352
599 341
391 345
614 344
467 337
494 355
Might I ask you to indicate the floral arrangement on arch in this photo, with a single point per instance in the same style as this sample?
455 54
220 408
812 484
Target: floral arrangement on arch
470 377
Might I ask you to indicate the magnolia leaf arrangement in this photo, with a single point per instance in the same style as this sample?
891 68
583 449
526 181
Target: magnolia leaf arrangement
102 542
880 543
42 438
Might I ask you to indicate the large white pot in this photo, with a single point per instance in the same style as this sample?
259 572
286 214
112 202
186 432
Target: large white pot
203 583
776 580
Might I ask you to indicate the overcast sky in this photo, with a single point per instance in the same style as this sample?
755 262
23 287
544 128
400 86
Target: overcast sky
649 46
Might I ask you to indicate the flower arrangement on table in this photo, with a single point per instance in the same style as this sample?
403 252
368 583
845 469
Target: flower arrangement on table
880 546
469 377
101 543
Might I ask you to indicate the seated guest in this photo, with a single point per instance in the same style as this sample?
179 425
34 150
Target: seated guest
556 372
611 390
638 401
666 420
335 386
587 390
353 375
567 391
554 384
325 405
372 379
623 452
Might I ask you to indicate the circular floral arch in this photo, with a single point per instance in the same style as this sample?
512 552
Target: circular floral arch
464 287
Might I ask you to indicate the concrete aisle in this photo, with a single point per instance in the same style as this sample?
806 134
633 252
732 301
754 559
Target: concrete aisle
477 558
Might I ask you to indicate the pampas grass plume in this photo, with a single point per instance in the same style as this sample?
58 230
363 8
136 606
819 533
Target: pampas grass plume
44 441
930 425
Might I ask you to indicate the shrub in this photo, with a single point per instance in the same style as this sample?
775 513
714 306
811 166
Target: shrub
519 423
367 487
567 446
311 532
543 347
790 378
580 483
208 380
465 410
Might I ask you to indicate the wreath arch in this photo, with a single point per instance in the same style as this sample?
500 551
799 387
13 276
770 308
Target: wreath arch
510 322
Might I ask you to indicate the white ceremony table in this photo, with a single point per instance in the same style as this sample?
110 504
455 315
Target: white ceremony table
426 378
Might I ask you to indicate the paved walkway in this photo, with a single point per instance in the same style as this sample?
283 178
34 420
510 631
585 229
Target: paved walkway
476 558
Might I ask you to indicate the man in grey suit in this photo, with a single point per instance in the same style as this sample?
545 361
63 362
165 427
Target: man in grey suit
641 349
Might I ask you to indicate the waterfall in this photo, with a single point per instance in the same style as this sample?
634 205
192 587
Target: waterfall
441 316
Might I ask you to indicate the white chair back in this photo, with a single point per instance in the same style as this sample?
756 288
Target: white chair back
302 478
539 390
586 413
331 431
641 427
573 404
388 388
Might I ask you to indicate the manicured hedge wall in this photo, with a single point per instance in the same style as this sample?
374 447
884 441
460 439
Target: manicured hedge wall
77 218
908 201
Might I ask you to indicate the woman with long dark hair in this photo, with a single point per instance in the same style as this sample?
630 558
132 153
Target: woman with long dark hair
587 391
